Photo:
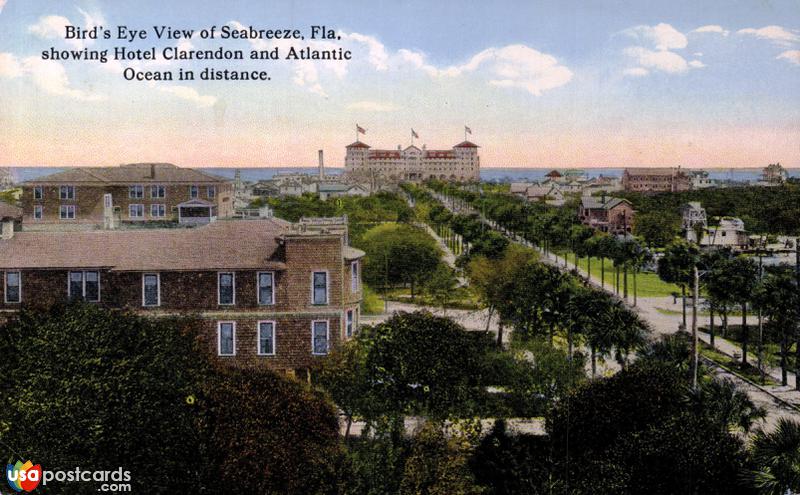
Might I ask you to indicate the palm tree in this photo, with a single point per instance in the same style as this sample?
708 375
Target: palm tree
677 267
741 275
781 305
776 456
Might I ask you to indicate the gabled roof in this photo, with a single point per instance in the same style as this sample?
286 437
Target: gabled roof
133 173
412 147
195 203
596 203
357 144
466 144
333 187
653 171
227 244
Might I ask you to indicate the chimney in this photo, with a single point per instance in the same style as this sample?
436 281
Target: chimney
152 170
321 166
109 220
7 231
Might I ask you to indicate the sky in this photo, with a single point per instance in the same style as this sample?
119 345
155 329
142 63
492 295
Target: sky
540 83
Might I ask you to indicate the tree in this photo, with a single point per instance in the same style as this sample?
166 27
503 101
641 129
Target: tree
513 464
270 435
417 363
494 281
632 433
780 302
677 266
107 389
606 245
438 464
776 456
440 285
94 387
719 296
741 275
658 228
398 253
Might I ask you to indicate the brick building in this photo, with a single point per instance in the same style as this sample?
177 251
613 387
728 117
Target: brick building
612 215
460 163
139 192
656 180
269 293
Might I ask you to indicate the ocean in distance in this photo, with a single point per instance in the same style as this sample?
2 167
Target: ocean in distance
487 174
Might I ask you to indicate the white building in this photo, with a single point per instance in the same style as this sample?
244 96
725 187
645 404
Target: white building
461 163
729 233
701 180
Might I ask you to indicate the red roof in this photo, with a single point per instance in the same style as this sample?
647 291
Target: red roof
466 144
553 173
440 154
384 154
357 144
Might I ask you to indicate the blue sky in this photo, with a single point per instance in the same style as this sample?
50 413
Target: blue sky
559 84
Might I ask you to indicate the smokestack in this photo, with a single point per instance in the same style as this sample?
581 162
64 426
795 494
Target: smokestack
321 167
7 231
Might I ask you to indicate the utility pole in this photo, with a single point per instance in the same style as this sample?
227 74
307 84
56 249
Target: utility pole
760 320
797 287
695 349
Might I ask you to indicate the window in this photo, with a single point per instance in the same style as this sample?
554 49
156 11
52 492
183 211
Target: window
158 192
354 276
349 323
319 288
192 192
266 338
84 285
38 192
38 211
226 338
151 289
266 288
136 211
67 192
319 337
158 211
66 212
13 288
211 191
136 192
226 288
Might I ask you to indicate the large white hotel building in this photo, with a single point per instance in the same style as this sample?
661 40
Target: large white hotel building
460 163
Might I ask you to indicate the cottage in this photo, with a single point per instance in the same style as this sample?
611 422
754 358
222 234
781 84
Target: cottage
729 232
612 215
549 194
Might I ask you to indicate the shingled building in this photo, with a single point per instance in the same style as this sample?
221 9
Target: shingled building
269 293
137 192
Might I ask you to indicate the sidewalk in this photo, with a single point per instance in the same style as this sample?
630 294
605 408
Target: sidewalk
663 324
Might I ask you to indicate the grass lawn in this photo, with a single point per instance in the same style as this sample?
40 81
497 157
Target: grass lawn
461 298
750 372
647 283
372 304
